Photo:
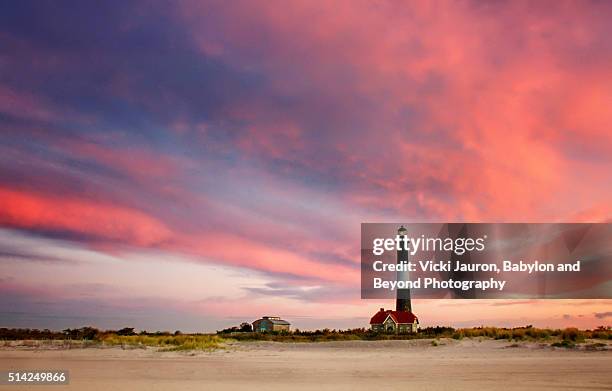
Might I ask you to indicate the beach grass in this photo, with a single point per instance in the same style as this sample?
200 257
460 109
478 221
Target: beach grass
126 338
203 342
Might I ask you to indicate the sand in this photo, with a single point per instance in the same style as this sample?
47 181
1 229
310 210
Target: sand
359 365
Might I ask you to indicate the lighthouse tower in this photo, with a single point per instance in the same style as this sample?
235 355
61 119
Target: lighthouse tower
402 320
403 295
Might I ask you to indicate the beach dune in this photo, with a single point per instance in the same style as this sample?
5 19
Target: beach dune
469 364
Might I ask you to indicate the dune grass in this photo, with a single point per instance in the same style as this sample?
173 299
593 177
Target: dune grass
527 333
166 342
126 338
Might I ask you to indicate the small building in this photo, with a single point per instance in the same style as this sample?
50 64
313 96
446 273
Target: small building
270 323
398 322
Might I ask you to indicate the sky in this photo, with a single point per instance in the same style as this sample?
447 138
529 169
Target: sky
191 165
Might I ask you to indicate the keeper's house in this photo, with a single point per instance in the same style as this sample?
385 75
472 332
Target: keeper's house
398 322
270 323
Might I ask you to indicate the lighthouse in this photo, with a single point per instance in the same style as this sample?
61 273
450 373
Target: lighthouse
402 320
403 295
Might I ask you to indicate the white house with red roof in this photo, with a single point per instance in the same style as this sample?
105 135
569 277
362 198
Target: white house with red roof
398 322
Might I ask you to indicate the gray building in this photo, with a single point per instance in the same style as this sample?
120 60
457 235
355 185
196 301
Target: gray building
270 323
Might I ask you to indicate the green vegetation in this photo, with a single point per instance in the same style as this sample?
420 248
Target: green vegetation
564 344
528 333
126 338
166 341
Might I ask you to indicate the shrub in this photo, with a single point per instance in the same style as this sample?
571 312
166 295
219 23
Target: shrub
573 334
458 335
564 344
126 331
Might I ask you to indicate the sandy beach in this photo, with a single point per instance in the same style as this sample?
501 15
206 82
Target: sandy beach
356 365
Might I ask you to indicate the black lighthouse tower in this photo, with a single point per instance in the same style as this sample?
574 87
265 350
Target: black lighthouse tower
403 295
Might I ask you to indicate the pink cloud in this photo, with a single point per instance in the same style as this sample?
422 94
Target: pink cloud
34 211
502 99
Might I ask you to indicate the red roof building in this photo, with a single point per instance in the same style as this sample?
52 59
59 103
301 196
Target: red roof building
394 321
